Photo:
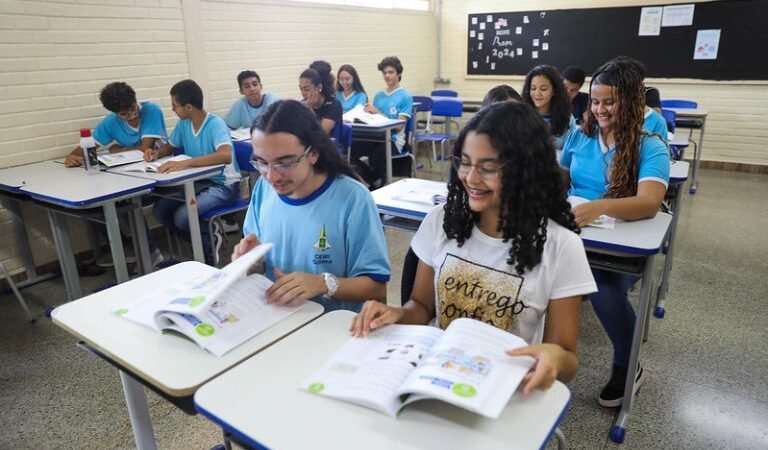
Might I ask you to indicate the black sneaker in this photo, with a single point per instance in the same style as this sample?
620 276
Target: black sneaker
613 392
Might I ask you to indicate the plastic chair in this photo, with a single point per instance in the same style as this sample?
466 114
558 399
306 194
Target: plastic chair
9 280
424 106
243 152
407 152
669 117
444 93
683 104
448 109
342 136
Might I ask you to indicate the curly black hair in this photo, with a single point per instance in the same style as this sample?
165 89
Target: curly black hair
394 62
319 73
559 106
532 186
117 97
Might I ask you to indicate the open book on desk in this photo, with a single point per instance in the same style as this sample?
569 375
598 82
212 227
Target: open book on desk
465 365
218 310
121 158
153 166
240 134
358 115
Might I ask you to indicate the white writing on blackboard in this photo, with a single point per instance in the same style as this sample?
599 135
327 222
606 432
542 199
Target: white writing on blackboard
499 43
502 32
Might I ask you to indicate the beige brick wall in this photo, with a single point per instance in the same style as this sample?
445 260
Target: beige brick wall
737 126
56 55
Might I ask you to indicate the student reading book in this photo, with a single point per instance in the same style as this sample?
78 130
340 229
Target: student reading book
465 365
217 309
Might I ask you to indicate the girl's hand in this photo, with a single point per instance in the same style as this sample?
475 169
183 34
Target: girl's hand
546 369
585 213
374 315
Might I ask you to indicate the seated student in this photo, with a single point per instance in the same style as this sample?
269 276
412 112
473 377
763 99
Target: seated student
329 243
501 93
316 86
623 172
205 137
394 102
349 88
252 104
130 125
544 90
505 233
573 79
653 121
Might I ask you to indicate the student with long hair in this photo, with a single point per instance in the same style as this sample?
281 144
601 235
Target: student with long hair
504 248
329 243
544 90
349 88
317 91
623 172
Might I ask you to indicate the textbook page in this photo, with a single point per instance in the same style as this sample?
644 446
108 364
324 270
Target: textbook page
358 114
468 367
368 371
144 166
120 158
240 134
239 314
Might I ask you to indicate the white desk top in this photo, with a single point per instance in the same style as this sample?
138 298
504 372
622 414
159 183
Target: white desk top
261 402
13 178
178 177
678 171
173 364
410 198
635 238
75 188
690 112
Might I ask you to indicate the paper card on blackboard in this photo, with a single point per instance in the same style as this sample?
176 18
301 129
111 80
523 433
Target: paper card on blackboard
650 21
489 18
480 46
677 15
518 30
482 26
487 58
535 42
525 19
707 43
535 54
480 36
496 25
545 46
471 33
474 21
474 64
519 51
493 66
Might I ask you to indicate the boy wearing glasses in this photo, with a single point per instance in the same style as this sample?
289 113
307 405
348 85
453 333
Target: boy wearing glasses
204 137
130 125
252 104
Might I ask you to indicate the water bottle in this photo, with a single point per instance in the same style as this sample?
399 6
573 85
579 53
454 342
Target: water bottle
88 144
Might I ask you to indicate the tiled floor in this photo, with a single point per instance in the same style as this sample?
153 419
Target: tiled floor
707 361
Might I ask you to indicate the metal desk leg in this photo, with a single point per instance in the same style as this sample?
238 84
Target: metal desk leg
561 443
140 238
699 149
22 243
115 242
619 427
664 284
136 401
60 230
388 155
194 222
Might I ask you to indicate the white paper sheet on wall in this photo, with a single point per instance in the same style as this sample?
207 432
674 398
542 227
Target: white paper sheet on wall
677 16
650 21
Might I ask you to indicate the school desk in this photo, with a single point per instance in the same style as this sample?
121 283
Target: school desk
172 366
371 133
165 184
260 404
694 113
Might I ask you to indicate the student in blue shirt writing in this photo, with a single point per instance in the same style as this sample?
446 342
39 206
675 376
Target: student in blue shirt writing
129 126
623 172
349 88
329 244
204 137
253 102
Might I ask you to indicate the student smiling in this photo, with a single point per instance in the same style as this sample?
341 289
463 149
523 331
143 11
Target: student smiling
253 102
349 88
544 90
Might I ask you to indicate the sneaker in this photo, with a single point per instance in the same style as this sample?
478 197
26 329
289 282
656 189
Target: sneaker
613 392
157 258
218 239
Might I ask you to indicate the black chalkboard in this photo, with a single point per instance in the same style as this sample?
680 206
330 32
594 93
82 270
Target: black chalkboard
512 43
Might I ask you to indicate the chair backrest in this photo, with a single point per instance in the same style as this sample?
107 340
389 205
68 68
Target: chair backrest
444 93
345 137
676 103
410 264
243 153
447 108
669 117
424 103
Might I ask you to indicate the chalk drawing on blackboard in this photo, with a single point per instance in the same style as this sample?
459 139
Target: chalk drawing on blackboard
546 32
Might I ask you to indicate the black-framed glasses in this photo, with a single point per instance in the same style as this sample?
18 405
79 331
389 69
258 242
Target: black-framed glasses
487 170
283 167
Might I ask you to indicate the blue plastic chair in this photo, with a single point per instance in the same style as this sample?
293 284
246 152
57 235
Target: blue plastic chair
450 110
683 104
444 93
408 152
342 136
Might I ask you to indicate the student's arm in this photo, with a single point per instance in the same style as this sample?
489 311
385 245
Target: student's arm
151 154
644 205
75 158
327 124
146 143
419 310
296 287
222 155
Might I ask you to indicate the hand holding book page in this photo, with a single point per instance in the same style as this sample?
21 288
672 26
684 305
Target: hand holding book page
358 115
218 309
153 166
464 365
601 221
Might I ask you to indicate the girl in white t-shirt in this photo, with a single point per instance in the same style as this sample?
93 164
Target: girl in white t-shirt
504 248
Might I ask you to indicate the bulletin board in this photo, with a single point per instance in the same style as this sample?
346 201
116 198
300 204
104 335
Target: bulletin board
511 43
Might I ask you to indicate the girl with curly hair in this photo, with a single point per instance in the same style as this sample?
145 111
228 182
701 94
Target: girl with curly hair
504 248
623 172
544 90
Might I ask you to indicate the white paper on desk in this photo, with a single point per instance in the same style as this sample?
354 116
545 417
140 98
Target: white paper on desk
605 222
240 134
358 115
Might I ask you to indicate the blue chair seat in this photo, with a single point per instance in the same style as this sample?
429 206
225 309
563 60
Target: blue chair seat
240 205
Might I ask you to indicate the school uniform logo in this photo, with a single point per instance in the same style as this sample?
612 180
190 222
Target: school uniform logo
322 245
392 111
467 289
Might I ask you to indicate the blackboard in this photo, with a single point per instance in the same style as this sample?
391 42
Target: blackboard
512 43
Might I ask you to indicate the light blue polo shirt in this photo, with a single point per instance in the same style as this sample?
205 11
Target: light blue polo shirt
242 114
114 129
211 135
588 161
354 99
393 104
654 123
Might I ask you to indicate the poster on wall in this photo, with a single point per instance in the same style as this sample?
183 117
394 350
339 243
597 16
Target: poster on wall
707 43
650 21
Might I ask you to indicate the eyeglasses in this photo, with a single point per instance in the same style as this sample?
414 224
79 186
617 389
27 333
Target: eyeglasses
487 171
283 167
133 111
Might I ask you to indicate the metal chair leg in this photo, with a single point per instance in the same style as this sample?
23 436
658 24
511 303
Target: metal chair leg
16 292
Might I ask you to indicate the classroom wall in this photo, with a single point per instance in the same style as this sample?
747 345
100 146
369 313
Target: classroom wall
56 55
737 125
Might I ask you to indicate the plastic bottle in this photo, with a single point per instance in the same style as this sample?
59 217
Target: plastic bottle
88 144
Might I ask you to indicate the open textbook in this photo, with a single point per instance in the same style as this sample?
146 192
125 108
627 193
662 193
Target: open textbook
603 221
358 115
120 158
465 365
144 166
217 309
240 134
